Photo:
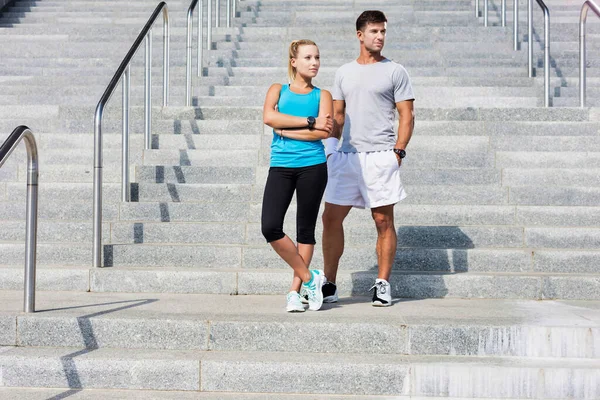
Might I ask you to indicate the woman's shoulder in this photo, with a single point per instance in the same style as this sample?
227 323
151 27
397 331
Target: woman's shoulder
276 86
324 92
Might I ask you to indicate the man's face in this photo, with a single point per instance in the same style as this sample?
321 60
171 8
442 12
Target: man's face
373 36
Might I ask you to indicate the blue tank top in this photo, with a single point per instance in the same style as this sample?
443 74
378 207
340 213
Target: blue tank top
291 153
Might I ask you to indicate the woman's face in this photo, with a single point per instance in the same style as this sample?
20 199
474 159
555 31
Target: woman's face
308 61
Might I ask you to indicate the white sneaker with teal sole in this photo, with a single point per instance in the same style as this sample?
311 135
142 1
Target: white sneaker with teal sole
293 302
313 289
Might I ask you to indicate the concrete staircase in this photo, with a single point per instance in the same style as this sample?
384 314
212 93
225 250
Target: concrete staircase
502 211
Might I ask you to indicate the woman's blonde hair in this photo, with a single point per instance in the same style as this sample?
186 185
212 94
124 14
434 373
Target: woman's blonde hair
293 53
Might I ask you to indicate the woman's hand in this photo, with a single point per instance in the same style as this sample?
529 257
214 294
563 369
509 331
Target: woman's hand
324 123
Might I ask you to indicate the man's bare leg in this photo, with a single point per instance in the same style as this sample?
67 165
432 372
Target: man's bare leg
333 238
386 239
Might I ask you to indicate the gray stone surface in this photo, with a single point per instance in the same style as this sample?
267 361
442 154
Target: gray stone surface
550 176
571 261
407 259
520 341
208 193
100 330
57 210
91 394
163 281
571 287
172 256
558 216
52 231
58 254
302 336
51 279
508 328
217 233
183 212
350 376
176 174
554 196
564 238
409 285
8 330
101 368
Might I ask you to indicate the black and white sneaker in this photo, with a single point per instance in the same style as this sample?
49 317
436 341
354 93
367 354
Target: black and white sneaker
382 293
330 294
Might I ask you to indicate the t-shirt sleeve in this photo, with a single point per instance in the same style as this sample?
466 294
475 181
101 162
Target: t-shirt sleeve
402 86
336 90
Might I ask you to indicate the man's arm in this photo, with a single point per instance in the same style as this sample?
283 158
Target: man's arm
339 117
406 125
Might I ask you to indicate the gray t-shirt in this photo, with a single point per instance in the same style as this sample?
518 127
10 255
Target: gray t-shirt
371 92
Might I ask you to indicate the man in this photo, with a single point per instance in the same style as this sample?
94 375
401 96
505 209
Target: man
365 171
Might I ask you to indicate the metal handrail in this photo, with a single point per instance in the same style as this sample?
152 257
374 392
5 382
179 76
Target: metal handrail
582 59
190 26
486 9
516 24
231 7
546 46
124 72
24 133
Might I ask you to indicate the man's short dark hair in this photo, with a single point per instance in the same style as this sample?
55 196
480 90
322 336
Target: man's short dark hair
369 17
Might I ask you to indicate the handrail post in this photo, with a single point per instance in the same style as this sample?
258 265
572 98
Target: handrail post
125 185
18 134
582 56
546 46
516 24
148 93
485 12
166 56
546 54
97 229
188 64
229 13
477 9
209 26
200 38
503 13
189 47
31 224
217 13
530 37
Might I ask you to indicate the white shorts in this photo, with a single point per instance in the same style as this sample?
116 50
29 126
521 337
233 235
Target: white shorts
364 180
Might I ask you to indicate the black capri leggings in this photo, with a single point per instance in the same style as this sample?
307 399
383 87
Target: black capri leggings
309 184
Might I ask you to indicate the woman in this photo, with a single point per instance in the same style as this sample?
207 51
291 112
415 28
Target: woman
300 115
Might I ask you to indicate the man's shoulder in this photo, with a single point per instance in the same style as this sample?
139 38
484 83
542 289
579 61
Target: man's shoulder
346 66
394 65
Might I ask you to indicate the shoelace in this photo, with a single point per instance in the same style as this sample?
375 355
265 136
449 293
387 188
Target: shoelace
380 286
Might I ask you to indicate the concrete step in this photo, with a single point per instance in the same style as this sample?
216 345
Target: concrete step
585 177
419 194
111 394
549 159
185 174
210 321
475 273
191 371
